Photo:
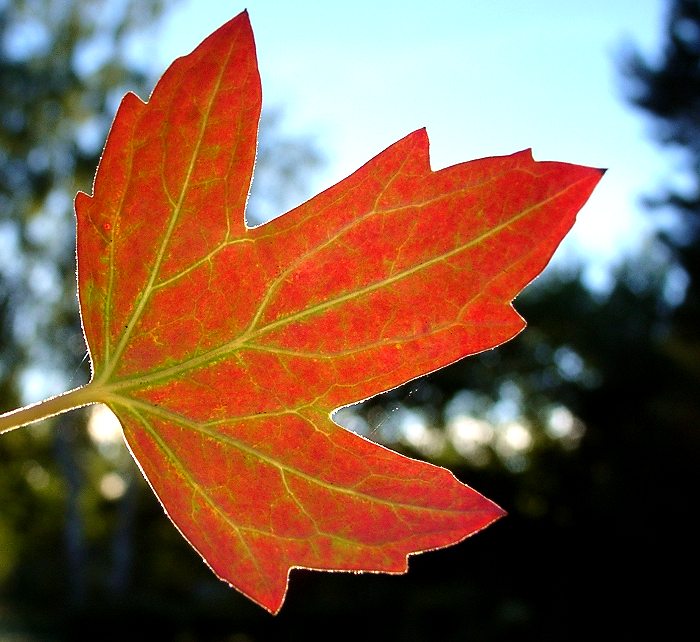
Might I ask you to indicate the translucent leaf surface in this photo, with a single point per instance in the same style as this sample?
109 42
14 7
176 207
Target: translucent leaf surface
224 349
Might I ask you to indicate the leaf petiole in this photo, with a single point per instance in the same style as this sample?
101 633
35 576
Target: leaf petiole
50 407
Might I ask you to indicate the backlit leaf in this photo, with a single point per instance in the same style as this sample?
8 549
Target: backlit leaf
224 349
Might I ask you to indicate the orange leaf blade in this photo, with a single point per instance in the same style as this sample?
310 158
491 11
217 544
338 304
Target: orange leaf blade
224 349
267 497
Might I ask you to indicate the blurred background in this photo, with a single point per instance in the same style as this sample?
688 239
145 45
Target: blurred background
585 428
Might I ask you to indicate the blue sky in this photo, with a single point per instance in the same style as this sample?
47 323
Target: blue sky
486 77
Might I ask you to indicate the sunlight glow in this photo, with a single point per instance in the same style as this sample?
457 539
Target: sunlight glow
471 438
417 432
36 475
112 486
103 426
106 433
513 438
564 426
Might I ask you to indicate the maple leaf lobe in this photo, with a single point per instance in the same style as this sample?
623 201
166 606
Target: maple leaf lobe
193 142
223 349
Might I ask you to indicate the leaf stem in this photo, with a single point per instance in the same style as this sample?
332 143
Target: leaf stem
47 408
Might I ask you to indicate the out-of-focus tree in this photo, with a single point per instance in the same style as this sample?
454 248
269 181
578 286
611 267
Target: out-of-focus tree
78 526
668 89
586 427
63 66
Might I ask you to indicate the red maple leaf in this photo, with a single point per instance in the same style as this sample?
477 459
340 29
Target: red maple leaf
224 349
